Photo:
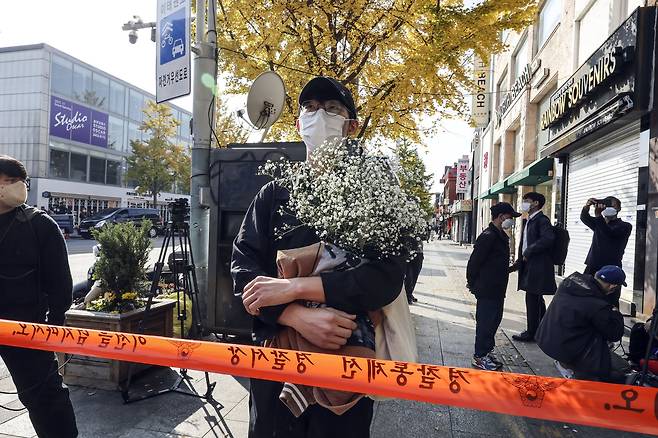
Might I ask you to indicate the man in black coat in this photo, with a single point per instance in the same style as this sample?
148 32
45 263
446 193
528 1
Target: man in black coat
610 237
579 324
35 286
325 104
535 262
487 274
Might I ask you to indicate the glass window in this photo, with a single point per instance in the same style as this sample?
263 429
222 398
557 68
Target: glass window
185 125
82 85
78 167
542 135
520 58
115 136
62 76
593 29
97 170
117 97
59 164
101 90
113 172
549 17
133 133
135 105
518 149
501 89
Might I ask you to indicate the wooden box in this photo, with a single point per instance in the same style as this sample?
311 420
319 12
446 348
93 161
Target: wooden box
108 374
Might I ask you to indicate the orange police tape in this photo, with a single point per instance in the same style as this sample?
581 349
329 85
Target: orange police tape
590 403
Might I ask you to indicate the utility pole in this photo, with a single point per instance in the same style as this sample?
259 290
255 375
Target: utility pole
205 64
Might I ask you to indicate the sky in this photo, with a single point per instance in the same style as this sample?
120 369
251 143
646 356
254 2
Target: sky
90 30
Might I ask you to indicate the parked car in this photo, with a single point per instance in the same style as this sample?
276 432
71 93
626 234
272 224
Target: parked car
121 215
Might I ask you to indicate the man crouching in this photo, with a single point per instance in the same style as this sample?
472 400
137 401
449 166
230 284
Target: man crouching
580 322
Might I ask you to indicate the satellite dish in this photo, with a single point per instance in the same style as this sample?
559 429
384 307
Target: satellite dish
265 100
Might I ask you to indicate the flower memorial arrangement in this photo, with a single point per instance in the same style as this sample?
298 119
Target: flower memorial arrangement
352 199
121 267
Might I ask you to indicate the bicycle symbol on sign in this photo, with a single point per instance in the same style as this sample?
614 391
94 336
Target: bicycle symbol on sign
166 38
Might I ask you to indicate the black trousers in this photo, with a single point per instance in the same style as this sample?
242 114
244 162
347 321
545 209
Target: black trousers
488 315
270 418
535 309
41 391
411 276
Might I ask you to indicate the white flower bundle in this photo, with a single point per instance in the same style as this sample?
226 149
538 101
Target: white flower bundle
353 200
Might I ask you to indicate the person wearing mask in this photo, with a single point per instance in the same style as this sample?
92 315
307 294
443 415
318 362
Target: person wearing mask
579 324
35 285
326 111
487 274
535 263
610 237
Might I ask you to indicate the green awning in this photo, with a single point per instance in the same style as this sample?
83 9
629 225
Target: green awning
487 195
501 187
534 174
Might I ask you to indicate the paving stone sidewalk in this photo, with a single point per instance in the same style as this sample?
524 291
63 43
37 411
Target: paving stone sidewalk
444 317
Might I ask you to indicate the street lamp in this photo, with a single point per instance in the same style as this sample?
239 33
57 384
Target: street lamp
134 25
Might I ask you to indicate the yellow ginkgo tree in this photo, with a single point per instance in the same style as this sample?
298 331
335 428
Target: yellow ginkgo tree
402 59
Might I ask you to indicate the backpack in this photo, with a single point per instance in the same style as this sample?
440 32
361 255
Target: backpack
561 244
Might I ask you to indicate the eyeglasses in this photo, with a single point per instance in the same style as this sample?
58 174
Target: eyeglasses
332 107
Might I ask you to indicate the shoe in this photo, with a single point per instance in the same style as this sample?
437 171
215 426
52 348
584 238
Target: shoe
564 371
523 337
494 359
412 300
485 363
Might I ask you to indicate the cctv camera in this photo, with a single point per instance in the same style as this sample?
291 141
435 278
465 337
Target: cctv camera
132 36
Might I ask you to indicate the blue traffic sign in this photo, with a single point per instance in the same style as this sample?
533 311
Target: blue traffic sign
172 37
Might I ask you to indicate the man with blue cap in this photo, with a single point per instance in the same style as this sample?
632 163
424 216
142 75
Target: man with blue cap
579 324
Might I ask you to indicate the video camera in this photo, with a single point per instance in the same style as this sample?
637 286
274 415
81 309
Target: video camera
607 202
180 211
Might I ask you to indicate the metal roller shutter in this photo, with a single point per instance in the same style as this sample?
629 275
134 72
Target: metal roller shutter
607 167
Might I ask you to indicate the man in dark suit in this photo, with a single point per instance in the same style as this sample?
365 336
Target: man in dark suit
535 263
487 274
610 237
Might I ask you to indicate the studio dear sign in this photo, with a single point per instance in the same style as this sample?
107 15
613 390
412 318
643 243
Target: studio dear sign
77 122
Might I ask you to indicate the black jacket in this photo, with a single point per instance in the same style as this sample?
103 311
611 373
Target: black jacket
368 287
35 279
578 325
487 270
537 275
608 242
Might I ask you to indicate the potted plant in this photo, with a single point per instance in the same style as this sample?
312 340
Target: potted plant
122 288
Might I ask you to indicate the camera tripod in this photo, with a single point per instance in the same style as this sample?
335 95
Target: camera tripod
181 265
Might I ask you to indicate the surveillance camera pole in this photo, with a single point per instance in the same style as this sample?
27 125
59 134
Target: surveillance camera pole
203 117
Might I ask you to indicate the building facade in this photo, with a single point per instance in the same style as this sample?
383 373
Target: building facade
569 118
71 124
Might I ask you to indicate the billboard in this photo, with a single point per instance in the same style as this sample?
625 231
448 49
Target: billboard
480 101
76 122
462 175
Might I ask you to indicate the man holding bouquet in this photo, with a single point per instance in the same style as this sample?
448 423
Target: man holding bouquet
326 111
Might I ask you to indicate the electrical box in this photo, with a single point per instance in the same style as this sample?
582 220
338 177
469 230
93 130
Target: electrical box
234 181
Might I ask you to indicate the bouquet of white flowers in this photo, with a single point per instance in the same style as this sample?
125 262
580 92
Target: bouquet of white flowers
352 199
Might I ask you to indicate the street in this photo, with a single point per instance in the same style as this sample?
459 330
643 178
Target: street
444 319
81 256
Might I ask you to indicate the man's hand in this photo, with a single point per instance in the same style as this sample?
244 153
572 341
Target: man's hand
268 291
590 202
323 327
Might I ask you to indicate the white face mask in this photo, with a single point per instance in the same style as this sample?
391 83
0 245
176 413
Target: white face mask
13 195
508 223
525 207
609 212
318 126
